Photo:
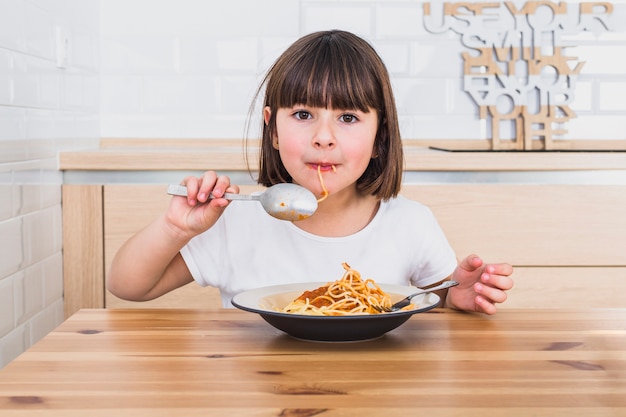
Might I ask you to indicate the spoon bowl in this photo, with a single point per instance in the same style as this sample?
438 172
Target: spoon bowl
284 201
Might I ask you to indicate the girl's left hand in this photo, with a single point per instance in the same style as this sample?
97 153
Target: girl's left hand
481 285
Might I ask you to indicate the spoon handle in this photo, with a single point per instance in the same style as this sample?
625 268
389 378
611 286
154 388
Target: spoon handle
181 190
446 284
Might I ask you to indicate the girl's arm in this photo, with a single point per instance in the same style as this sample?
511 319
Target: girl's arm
149 264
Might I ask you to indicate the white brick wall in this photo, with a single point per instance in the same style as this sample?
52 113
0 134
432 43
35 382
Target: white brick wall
43 109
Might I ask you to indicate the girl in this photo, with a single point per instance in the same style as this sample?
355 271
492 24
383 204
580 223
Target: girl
330 125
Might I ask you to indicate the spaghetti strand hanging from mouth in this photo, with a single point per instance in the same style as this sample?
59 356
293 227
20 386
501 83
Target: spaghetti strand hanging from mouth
324 190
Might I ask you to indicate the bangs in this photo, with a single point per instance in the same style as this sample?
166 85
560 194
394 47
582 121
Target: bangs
328 74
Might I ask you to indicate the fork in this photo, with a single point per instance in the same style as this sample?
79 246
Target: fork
407 300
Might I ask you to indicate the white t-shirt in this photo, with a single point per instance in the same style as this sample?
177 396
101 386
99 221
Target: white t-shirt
247 249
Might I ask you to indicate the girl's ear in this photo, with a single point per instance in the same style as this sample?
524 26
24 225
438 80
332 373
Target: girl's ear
267 114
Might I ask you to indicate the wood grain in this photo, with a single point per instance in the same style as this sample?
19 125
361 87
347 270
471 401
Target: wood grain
227 362
531 225
567 287
82 247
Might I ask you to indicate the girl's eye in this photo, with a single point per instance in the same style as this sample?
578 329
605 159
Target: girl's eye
302 115
348 118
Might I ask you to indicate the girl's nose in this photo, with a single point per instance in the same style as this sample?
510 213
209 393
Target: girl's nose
324 136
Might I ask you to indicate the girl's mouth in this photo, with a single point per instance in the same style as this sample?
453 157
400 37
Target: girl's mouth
324 167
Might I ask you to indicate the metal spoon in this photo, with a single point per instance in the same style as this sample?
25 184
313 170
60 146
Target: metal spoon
284 201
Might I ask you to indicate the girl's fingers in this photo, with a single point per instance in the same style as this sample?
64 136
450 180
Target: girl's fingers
490 293
221 185
484 305
502 282
206 186
192 189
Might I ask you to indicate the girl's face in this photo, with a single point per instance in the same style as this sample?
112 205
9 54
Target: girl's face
340 143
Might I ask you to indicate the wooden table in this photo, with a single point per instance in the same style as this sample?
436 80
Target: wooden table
231 363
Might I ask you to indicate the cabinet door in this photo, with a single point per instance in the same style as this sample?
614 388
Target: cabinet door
560 238
531 225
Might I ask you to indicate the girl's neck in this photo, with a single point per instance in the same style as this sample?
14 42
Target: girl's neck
341 214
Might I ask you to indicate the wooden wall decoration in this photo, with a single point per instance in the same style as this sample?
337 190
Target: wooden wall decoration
518 72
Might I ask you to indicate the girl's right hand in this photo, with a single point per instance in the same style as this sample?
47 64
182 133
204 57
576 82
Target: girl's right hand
196 213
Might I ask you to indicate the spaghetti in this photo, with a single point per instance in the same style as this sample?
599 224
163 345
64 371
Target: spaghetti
348 296
324 190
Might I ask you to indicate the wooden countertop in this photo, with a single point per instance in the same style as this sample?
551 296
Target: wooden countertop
190 154
144 362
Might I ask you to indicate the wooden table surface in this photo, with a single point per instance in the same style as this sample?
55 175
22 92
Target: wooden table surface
231 363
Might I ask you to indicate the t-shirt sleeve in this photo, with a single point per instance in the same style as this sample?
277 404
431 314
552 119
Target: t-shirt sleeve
189 254
203 255
438 259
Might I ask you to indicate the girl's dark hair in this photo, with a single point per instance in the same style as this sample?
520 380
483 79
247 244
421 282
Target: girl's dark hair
340 70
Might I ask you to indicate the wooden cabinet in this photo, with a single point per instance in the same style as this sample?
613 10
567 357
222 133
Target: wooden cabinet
562 239
558 217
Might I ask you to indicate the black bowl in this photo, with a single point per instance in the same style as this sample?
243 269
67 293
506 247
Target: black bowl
267 302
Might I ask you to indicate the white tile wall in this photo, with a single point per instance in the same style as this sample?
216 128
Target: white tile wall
355 17
43 109
612 96
189 68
